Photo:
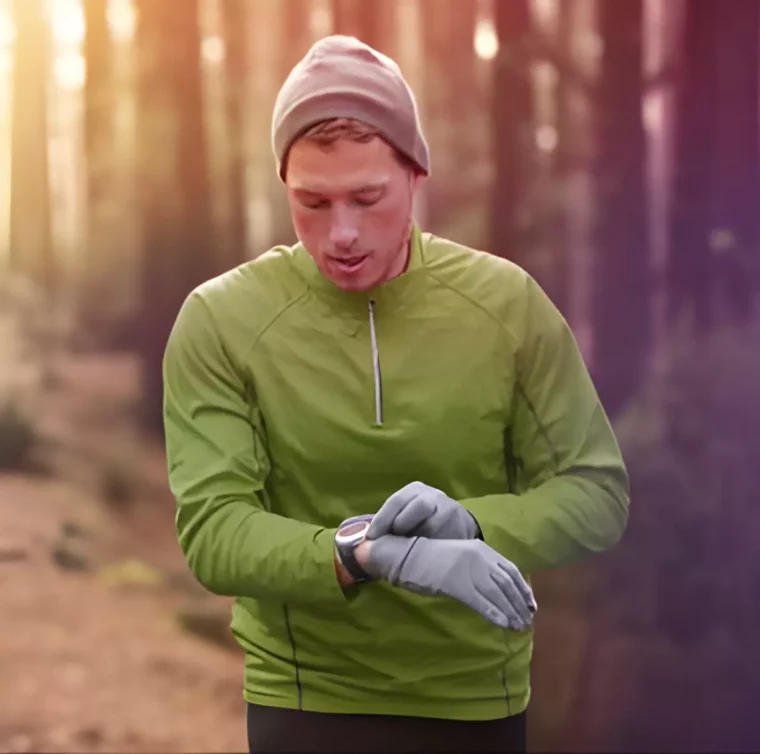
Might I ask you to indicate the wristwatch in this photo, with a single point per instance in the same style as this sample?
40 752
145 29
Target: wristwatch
351 534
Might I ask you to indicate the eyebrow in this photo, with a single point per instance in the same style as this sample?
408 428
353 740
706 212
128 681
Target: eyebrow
314 190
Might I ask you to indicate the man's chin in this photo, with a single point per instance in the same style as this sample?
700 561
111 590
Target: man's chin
351 285
354 282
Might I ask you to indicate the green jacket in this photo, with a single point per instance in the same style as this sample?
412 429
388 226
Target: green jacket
291 404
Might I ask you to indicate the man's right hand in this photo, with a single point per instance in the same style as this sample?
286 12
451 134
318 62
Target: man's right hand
466 570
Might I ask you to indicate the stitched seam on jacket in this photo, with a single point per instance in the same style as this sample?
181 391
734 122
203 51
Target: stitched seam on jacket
506 686
289 628
504 667
541 428
271 322
238 363
489 314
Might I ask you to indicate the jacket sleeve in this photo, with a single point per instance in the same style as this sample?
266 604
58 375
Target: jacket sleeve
572 493
218 464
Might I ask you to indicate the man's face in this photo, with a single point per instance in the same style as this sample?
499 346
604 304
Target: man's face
351 205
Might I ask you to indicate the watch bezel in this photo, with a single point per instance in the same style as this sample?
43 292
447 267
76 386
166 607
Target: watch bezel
355 537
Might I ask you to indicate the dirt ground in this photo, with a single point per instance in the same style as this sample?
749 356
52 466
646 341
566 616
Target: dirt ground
95 665
93 657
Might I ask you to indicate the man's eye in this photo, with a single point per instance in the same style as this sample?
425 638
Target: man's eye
367 201
317 205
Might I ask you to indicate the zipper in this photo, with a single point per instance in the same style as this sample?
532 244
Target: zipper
376 365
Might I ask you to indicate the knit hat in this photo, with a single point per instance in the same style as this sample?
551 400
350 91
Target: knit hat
342 77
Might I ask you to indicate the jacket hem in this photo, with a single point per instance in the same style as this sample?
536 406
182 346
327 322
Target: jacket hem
494 709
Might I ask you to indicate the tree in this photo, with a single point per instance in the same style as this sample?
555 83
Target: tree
175 209
296 37
513 128
455 103
689 265
735 182
562 162
714 232
31 248
622 280
236 70
372 22
98 147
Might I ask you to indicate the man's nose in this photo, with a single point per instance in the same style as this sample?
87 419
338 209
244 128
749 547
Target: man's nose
343 228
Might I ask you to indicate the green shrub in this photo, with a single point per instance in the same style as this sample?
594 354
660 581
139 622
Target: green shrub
683 581
118 485
19 438
692 445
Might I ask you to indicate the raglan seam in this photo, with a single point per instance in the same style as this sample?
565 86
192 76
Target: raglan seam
514 342
262 331
512 338
543 431
274 319
291 639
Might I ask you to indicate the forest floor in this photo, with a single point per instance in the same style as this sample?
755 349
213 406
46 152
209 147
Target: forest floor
95 596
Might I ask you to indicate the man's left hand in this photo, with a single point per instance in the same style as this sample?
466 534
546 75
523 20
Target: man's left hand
423 511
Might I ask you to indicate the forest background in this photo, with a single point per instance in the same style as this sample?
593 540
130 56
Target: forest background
608 146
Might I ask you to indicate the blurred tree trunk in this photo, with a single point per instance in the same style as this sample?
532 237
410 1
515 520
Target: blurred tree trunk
562 247
296 38
31 247
735 180
408 30
372 22
715 234
235 88
173 181
622 280
689 265
454 101
296 35
513 129
99 140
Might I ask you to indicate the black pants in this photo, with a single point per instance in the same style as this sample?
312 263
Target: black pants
282 730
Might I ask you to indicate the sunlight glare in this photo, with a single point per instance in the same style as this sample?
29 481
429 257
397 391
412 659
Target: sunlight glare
546 74
546 138
654 114
320 20
213 50
486 42
70 70
593 45
67 21
544 11
7 29
122 19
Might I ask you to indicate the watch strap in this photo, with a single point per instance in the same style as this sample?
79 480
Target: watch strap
350 563
346 550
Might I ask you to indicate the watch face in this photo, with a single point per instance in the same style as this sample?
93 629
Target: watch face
353 529
353 533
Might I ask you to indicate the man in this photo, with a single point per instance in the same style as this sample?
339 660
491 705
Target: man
375 437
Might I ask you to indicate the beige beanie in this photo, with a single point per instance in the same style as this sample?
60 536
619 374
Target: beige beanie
341 77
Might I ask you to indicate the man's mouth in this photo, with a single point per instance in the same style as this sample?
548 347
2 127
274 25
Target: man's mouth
349 264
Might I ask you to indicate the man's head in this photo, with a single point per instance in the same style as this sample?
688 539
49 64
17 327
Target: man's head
350 150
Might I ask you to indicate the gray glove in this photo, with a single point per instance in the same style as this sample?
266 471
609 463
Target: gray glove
465 570
421 510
